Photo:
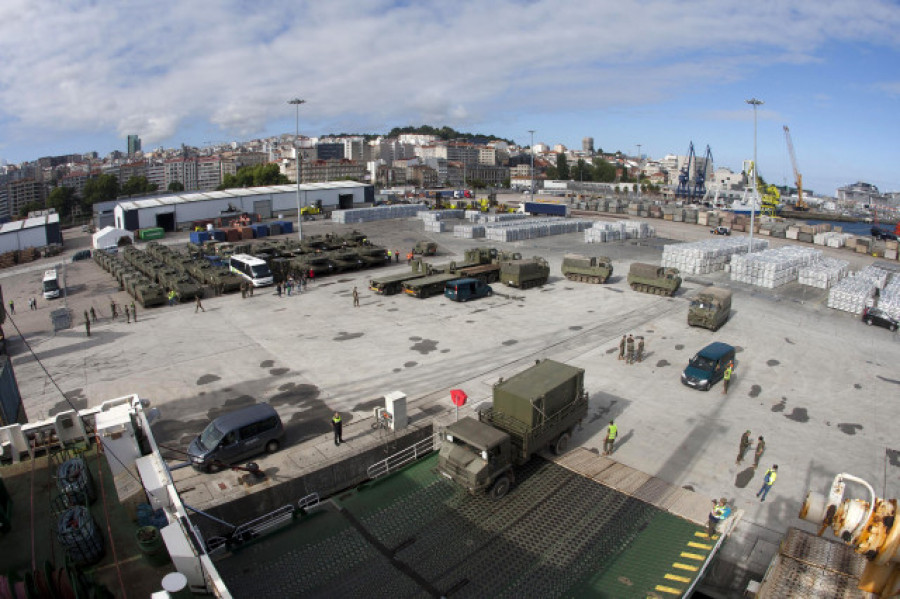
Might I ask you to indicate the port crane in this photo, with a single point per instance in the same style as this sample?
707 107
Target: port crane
798 178
692 177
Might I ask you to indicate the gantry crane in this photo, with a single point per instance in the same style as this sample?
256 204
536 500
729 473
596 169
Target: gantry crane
798 178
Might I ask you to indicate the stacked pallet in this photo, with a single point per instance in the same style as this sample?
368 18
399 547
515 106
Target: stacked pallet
481 217
709 255
889 298
878 276
432 215
365 215
824 274
602 232
469 231
852 294
534 228
773 268
435 226
831 239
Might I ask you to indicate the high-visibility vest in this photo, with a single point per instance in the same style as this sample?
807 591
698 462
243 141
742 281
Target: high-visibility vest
719 512
613 431
770 477
336 420
728 373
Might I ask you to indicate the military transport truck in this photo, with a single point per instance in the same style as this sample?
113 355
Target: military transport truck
428 286
425 248
653 279
587 269
710 309
534 409
391 284
524 274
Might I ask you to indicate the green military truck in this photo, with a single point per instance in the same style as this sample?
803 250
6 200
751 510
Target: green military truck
425 248
524 274
391 284
710 308
534 409
587 269
428 286
650 278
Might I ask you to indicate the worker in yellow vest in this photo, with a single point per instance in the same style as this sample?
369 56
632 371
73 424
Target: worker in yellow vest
612 431
337 424
768 481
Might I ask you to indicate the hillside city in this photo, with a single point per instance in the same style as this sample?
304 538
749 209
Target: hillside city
70 183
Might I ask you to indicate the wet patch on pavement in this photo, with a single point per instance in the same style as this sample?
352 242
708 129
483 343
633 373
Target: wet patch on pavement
396 370
368 406
393 309
345 336
445 351
798 415
772 363
893 456
687 487
76 400
479 310
344 280
424 346
788 340
510 342
857 386
662 363
296 395
780 406
177 434
208 378
679 347
410 364
278 371
279 309
415 338
612 350
470 321
602 411
849 429
887 380
267 364
755 390
575 328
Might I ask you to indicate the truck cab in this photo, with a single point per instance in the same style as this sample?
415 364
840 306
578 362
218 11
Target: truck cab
477 456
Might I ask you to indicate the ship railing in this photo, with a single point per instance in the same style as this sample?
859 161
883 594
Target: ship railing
402 458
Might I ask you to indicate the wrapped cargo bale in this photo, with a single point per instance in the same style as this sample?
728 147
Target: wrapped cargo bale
825 274
852 294
704 257
889 298
773 268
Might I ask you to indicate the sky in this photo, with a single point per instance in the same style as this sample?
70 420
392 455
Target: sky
81 75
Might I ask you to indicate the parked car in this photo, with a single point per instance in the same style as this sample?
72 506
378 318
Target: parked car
708 366
879 317
235 436
721 231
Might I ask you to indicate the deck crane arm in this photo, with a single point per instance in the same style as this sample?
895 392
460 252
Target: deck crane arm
798 178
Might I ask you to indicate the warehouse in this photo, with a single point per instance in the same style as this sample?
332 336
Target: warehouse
178 211
35 232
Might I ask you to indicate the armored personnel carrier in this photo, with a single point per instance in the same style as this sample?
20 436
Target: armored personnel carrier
149 294
374 256
710 308
650 278
587 269
524 274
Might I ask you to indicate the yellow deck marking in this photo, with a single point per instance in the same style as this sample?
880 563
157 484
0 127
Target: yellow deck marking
693 556
669 590
678 578
702 535
699 546
685 567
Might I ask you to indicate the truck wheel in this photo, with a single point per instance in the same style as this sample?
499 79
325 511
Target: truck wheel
562 444
500 488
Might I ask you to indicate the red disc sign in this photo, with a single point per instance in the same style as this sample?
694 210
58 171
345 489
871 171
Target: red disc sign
458 397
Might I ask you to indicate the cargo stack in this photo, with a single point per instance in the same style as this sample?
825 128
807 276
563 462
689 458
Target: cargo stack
365 215
707 256
831 239
853 294
773 268
890 249
602 232
469 231
534 228
889 298
823 275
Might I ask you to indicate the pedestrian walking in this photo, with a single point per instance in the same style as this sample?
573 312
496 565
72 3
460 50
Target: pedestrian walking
93 315
278 289
768 481
86 315
133 311
32 304
87 327
760 450
622 348
171 297
288 285
12 307
338 425
389 254
397 256
198 305
113 309
127 314
612 431
744 446
629 350
726 377
720 512
355 298
409 257
640 349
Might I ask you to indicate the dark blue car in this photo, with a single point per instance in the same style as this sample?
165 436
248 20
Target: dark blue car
708 366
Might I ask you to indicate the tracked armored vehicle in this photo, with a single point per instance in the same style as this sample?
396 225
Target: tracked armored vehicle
587 269
649 278
524 274
710 308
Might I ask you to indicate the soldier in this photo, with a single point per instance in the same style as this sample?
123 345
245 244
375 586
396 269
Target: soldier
622 348
127 314
199 305
113 309
87 327
760 450
355 298
93 315
250 288
86 316
629 350
640 349
744 446
134 311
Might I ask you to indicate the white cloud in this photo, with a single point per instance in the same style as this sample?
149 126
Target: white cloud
154 67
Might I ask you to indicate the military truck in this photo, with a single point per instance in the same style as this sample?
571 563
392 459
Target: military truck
587 269
536 408
428 286
425 248
710 308
391 284
524 274
654 279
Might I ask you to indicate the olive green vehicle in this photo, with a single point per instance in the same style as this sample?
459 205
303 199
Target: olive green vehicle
524 274
425 248
587 269
653 279
710 308
537 408
149 294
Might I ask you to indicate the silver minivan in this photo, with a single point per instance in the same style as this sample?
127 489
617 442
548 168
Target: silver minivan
235 436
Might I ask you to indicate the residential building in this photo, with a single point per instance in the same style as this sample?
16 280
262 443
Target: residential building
132 169
183 170
25 191
209 172
318 171
329 151
587 145
421 176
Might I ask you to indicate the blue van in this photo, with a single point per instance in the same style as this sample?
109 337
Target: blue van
708 366
237 435
462 290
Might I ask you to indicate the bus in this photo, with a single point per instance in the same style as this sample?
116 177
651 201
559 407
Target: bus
51 284
251 268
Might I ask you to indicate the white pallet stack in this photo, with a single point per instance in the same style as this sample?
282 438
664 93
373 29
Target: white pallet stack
707 256
772 268
441 214
852 294
435 226
481 217
878 276
365 215
532 229
823 275
469 231
831 239
889 298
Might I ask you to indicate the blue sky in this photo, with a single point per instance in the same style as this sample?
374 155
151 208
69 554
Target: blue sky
81 76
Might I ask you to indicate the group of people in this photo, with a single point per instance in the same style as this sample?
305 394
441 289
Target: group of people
627 350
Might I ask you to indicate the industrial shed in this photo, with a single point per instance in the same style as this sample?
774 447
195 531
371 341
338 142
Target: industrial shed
38 231
109 237
177 211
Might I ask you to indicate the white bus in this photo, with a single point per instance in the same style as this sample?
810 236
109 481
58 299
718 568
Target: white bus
51 284
253 269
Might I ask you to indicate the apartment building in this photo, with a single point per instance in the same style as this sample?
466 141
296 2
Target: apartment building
318 171
209 172
22 192
183 170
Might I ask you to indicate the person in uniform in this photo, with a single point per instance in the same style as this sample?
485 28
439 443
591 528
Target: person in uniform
744 446
768 481
726 377
629 350
719 512
640 349
760 450
612 431
622 348
355 298
337 424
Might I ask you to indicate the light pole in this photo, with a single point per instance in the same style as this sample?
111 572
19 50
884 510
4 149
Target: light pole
755 103
532 164
297 102
639 172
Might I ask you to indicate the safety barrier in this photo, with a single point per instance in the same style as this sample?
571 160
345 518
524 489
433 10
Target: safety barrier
403 457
